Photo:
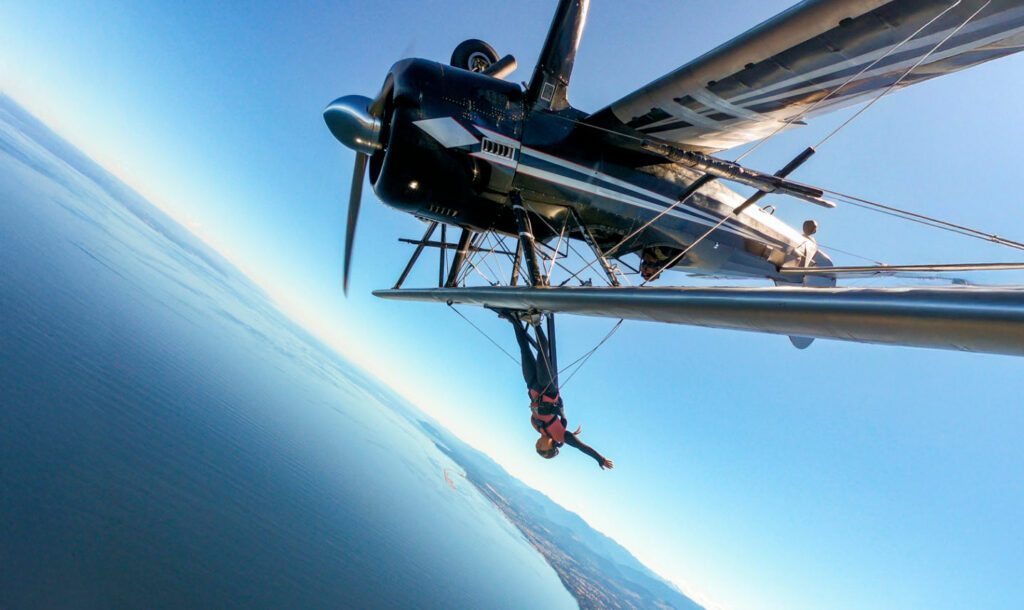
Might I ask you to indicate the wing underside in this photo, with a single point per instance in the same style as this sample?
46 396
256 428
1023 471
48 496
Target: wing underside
816 57
973 319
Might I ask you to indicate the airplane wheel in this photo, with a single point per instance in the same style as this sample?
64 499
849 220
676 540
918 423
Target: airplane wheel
474 55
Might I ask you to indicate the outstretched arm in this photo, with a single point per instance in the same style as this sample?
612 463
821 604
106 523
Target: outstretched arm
603 462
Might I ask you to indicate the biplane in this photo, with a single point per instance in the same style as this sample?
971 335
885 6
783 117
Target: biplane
637 191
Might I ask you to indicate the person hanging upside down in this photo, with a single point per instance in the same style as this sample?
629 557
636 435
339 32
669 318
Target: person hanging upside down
541 376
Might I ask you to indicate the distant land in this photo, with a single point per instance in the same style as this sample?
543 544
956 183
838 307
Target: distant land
594 569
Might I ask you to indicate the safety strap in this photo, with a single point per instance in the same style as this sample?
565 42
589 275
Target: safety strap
543 425
546 407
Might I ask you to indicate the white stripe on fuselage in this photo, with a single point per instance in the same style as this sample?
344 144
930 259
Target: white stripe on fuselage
704 217
594 189
450 133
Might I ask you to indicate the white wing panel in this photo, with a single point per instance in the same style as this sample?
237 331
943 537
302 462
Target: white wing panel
816 57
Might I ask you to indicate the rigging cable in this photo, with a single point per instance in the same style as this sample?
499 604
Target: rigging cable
928 221
568 244
494 246
469 264
569 248
706 178
907 73
511 357
800 116
689 192
485 262
848 253
587 356
859 112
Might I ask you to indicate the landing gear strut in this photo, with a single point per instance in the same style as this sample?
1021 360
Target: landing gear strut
460 257
526 240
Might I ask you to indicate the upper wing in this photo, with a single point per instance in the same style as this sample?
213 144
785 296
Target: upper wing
809 60
988 320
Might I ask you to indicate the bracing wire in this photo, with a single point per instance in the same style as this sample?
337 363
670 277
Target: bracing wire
797 117
855 201
552 229
485 259
846 123
852 254
488 337
497 263
584 358
927 221
469 263
893 86
801 115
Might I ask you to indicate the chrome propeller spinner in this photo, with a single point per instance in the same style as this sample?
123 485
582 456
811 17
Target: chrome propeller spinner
353 123
350 121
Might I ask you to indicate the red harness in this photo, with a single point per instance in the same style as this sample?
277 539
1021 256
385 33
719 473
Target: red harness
546 417
550 426
543 402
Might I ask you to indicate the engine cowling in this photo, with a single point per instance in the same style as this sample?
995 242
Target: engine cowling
414 172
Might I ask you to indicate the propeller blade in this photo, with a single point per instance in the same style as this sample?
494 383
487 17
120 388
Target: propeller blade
376 107
354 199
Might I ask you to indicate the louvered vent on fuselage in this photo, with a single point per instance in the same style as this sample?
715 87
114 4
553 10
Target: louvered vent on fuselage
494 148
437 209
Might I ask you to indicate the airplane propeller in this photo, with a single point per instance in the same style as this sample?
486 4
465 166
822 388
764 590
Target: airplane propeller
355 121
354 199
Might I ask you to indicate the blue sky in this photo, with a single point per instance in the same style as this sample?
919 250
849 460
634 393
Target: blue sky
755 475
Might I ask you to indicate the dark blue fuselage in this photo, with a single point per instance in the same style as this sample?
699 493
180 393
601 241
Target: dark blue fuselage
458 142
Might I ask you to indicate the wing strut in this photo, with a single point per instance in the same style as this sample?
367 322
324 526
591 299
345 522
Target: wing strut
768 183
416 255
526 241
460 257
780 175
588 237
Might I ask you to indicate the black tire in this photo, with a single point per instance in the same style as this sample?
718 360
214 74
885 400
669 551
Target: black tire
474 55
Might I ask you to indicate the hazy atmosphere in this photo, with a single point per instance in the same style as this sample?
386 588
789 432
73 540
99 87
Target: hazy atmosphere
750 474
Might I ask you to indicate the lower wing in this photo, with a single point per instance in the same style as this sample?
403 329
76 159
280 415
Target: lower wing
972 319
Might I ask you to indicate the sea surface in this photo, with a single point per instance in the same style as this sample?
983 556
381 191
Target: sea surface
168 439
